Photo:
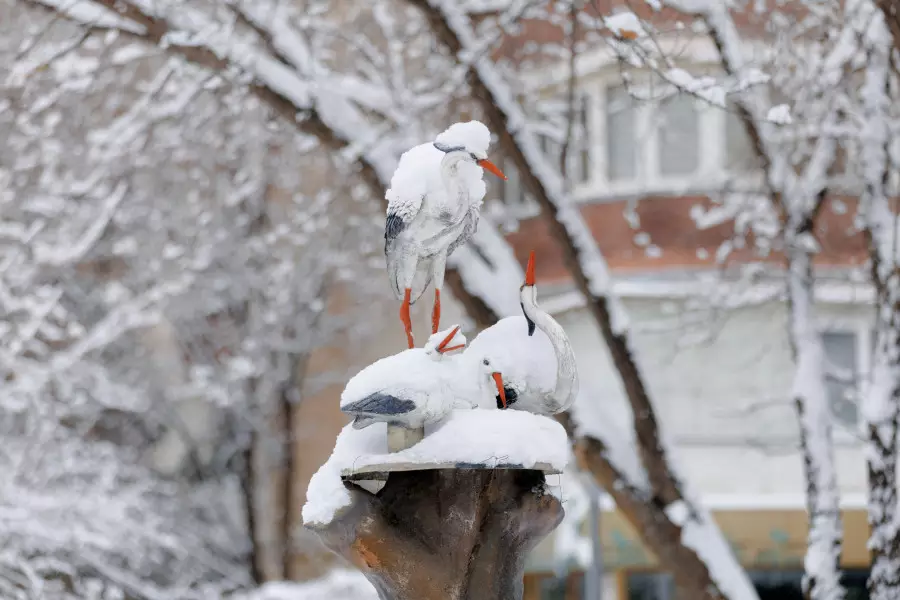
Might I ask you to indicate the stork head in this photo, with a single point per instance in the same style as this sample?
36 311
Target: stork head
463 153
468 141
506 391
444 342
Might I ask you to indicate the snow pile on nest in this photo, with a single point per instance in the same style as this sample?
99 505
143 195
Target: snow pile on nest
478 436
340 584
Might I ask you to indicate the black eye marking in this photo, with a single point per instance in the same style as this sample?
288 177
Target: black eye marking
486 362
511 397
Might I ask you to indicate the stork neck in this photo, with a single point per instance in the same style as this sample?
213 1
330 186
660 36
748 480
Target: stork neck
566 388
457 194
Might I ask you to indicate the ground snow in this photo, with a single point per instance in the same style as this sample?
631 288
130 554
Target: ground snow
479 436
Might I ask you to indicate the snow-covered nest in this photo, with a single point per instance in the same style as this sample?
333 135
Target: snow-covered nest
471 437
340 584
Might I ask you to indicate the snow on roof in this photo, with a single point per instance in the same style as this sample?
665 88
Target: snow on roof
625 24
476 436
340 584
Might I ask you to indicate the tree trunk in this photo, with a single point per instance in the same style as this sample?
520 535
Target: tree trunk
447 534
881 400
884 542
822 575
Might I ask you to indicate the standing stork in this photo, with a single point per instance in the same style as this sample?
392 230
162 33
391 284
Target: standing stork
434 203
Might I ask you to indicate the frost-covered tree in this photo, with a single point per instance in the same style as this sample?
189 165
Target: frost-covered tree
831 63
367 96
879 169
166 271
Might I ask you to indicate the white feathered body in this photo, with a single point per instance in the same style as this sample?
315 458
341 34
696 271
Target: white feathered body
424 221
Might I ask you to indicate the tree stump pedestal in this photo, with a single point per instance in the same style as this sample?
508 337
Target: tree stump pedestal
444 533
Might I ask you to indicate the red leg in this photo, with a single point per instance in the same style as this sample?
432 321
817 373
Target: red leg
404 317
436 313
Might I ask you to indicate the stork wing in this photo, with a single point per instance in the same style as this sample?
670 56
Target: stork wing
401 211
468 230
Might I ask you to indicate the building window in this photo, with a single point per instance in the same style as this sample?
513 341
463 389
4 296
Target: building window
651 138
678 131
579 167
621 135
842 375
513 190
740 155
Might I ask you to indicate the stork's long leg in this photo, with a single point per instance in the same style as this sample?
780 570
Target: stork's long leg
438 265
406 276
404 317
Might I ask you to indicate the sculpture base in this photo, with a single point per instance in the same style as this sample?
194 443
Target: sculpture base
447 533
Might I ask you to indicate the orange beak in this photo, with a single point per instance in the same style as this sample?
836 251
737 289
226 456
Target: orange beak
529 270
442 347
498 380
489 166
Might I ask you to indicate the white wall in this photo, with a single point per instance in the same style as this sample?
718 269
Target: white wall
723 404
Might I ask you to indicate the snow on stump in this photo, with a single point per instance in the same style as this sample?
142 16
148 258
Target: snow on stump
455 515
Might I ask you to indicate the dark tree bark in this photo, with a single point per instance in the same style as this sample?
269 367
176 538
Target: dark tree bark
448 534
891 10
881 404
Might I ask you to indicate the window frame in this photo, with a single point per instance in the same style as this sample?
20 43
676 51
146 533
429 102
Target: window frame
711 174
863 336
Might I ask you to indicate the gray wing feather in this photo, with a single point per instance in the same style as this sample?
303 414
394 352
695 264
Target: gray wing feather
392 227
469 228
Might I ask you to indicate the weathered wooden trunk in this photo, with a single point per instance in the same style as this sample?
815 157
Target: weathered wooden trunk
446 534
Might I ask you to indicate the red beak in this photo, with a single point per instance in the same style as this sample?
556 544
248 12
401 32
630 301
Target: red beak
529 271
498 380
489 166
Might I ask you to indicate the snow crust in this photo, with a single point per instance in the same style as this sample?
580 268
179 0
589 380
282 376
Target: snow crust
780 114
477 436
471 135
340 584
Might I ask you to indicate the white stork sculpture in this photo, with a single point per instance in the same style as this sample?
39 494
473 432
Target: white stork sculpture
521 363
434 203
